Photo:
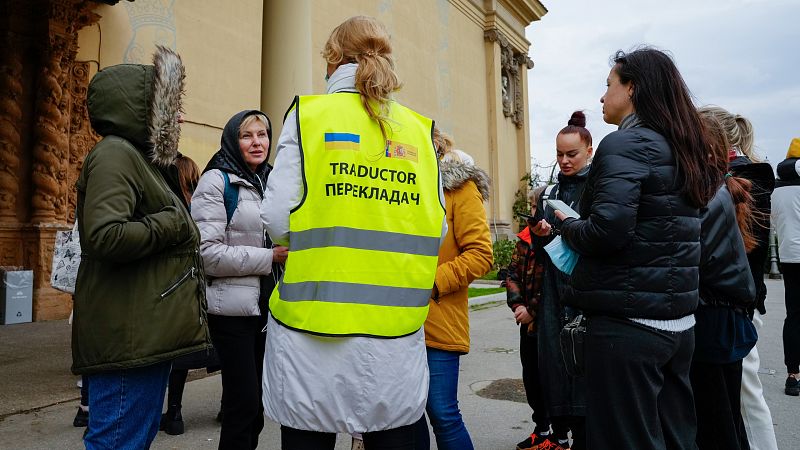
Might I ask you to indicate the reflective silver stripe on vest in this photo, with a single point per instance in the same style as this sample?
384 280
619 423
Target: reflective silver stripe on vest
364 239
365 294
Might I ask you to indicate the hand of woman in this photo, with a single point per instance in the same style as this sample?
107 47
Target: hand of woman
560 215
521 315
279 254
542 228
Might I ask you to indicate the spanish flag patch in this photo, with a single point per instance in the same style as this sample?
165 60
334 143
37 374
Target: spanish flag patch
401 151
342 141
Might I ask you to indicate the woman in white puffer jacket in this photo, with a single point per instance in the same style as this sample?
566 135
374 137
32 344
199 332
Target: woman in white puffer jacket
240 264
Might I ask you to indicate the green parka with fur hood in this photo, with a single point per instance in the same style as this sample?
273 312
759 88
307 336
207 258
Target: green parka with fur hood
140 294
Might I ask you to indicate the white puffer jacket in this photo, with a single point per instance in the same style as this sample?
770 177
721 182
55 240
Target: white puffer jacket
233 254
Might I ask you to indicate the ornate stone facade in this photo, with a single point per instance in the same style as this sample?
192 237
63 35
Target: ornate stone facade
44 135
511 61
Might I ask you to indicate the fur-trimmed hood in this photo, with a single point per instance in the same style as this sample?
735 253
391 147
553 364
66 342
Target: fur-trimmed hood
141 103
456 173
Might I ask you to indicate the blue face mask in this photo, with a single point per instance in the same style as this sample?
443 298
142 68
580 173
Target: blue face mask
563 257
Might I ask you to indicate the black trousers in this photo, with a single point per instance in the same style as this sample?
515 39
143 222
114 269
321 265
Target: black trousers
529 357
562 425
638 392
84 391
791 326
401 438
240 345
717 399
177 382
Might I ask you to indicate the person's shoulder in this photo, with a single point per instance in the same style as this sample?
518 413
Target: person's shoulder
631 138
113 152
210 180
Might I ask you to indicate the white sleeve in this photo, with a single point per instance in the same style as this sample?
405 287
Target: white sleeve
285 184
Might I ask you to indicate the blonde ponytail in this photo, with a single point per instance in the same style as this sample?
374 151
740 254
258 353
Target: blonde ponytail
365 41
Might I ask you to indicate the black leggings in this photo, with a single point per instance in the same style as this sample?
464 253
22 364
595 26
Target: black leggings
717 392
401 438
529 356
791 326
240 346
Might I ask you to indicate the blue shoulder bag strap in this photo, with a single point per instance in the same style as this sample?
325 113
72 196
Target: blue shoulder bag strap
230 196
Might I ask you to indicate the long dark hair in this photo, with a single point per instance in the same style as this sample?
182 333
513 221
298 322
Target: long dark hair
664 104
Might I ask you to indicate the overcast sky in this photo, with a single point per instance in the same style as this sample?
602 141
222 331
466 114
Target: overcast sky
743 55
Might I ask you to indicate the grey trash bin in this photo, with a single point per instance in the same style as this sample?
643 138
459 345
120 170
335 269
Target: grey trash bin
16 295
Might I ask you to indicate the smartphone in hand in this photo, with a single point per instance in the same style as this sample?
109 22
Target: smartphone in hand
563 207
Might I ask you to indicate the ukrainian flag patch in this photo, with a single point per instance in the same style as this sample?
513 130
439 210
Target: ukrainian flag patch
401 151
342 141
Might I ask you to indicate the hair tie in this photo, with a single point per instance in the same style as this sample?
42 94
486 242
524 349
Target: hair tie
728 175
372 53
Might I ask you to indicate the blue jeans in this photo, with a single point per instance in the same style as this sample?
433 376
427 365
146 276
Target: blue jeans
126 407
442 407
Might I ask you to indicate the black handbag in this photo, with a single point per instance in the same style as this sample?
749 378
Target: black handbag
573 343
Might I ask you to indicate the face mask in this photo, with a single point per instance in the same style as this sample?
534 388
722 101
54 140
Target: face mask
327 77
563 257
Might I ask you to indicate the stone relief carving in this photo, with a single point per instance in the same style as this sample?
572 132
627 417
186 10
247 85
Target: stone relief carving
153 23
81 136
511 62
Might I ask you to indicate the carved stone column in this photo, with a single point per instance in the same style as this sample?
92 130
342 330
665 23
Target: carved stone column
10 119
50 139
62 137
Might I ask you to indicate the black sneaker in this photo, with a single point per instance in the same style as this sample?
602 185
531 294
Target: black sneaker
81 418
792 386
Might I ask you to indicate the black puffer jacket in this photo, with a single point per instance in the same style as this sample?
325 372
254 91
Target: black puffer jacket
763 179
724 270
638 237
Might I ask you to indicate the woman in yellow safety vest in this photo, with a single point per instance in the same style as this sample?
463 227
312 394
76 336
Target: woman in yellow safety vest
355 195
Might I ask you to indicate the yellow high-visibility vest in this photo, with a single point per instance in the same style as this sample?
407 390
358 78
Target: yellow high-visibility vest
364 240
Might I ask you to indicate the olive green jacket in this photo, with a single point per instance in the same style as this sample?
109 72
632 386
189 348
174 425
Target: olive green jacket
140 291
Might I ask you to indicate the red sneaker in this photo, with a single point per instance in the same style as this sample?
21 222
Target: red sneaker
531 443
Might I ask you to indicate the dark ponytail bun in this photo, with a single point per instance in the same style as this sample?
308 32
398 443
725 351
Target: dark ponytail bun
577 125
578 119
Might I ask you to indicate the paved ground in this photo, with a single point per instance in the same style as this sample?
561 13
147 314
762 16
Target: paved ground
38 396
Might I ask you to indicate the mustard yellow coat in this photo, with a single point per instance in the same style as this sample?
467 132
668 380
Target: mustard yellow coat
465 255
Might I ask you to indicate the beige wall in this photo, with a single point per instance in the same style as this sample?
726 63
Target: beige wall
250 53
219 41
450 72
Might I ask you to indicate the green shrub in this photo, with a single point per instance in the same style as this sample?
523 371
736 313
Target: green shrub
502 249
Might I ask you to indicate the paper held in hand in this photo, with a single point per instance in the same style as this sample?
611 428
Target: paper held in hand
558 205
563 257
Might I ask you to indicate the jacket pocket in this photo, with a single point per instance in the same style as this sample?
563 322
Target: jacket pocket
190 273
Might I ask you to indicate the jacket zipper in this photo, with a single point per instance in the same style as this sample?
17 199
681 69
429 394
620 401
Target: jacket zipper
188 274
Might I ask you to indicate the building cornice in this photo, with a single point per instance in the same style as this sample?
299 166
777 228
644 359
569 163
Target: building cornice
527 11
471 11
